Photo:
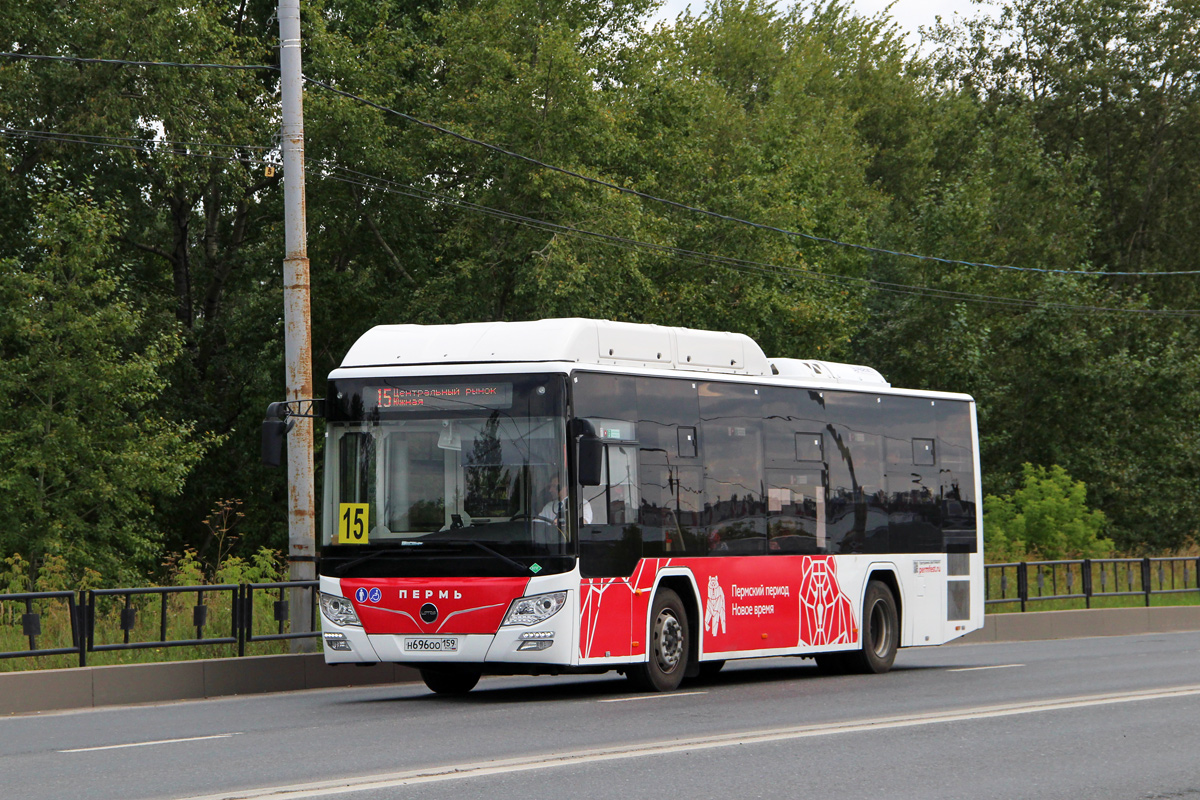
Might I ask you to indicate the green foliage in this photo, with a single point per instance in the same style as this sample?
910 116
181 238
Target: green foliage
83 453
1046 518
1113 82
1054 135
54 574
15 578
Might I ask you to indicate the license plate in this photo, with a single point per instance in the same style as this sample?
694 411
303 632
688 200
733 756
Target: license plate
431 645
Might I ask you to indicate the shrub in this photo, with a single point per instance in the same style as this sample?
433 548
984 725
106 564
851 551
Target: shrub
1047 518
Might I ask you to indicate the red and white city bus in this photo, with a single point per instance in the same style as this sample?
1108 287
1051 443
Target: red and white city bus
577 496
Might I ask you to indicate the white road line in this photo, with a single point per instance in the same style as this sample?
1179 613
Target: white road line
149 744
528 763
650 697
977 669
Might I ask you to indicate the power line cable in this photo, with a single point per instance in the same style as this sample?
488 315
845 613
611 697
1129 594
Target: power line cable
124 63
776 269
366 180
147 144
718 215
613 186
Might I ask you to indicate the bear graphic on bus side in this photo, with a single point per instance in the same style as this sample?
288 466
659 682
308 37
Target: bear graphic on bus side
714 609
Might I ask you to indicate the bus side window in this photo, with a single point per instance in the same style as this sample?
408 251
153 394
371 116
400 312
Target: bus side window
734 507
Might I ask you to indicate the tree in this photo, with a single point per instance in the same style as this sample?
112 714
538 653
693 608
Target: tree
1113 82
83 454
1067 145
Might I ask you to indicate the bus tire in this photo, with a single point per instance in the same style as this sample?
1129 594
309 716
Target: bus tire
668 646
450 682
880 631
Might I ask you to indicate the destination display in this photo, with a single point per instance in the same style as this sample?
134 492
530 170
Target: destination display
437 397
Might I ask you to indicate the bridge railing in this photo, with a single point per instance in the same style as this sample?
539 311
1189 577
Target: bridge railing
104 620
224 615
1028 583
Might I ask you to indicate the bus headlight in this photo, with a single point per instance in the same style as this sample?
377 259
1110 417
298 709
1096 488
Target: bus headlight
338 610
534 609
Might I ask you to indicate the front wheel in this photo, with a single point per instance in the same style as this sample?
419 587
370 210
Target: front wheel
880 633
668 648
450 682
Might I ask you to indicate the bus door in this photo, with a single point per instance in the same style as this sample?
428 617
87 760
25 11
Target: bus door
610 547
610 541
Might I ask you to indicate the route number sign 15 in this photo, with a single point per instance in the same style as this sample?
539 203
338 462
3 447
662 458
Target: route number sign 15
353 523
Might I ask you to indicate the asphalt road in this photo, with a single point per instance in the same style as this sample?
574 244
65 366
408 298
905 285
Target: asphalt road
1114 717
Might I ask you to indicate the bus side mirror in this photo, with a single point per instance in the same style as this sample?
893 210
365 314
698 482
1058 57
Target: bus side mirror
589 452
591 460
274 430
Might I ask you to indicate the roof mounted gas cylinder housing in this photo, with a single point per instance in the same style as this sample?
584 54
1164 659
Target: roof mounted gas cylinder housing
586 341
826 371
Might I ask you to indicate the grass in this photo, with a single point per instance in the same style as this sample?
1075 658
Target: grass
1138 601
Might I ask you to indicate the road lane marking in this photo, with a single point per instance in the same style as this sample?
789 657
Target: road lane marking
451 772
650 697
149 744
977 669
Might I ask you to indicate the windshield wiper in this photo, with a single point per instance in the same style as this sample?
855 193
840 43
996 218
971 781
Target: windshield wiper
342 568
482 547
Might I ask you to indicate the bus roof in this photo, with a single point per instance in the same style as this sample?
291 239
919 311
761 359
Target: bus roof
589 341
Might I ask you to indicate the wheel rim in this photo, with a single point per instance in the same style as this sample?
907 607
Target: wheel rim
668 641
881 630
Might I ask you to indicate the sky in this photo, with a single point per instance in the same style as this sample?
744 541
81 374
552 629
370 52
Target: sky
910 14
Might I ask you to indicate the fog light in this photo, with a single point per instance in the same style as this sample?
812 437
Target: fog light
535 644
337 641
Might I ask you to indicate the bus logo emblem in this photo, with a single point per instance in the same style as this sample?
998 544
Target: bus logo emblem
429 612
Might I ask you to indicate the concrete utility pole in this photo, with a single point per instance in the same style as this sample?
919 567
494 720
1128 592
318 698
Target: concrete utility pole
302 539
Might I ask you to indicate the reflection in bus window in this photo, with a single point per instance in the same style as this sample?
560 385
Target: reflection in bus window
731 429
796 512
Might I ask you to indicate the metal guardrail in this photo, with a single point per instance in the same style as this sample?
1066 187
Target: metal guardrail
1086 579
82 612
280 615
31 624
1024 583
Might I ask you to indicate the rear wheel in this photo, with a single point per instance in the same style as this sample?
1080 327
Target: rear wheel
450 682
880 633
668 648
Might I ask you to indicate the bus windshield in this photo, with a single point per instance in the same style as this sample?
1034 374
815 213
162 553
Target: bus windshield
444 477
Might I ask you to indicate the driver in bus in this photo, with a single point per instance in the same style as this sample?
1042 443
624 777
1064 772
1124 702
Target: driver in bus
556 510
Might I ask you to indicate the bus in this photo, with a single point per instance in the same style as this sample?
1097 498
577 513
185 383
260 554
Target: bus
571 496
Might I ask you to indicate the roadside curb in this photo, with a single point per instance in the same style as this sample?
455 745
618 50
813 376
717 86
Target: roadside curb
94 687
1042 625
